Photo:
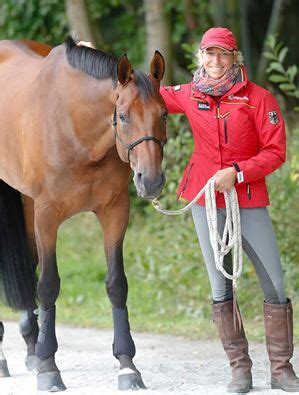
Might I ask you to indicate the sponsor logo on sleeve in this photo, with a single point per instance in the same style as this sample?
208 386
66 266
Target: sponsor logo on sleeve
177 88
273 117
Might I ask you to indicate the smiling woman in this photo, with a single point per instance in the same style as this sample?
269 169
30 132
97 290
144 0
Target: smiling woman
239 136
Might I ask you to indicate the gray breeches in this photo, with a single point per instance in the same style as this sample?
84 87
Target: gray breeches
259 245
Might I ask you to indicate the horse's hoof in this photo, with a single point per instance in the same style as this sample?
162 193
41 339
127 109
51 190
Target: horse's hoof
4 372
31 362
50 381
129 379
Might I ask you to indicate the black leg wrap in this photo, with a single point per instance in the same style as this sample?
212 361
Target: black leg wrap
29 329
28 321
123 342
1 331
46 343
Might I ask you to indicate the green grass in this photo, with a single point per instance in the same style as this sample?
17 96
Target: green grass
168 286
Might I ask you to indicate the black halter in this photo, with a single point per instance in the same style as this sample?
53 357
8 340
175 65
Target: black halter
129 147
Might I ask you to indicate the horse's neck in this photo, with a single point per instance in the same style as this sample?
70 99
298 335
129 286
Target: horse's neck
81 108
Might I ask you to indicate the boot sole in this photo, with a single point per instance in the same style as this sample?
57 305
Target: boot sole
239 391
281 387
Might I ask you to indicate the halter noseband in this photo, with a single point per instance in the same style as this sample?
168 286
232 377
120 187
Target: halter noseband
129 147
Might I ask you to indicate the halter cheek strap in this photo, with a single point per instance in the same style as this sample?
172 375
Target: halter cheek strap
130 146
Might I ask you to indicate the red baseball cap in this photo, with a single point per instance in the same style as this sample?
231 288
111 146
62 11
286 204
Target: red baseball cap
219 37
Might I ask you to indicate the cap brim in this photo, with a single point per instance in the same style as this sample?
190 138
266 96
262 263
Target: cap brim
227 49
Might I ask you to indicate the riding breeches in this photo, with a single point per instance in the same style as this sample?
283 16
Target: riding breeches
259 244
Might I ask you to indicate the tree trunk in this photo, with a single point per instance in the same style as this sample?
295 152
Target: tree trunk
190 19
273 27
218 12
157 26
245 36
78 21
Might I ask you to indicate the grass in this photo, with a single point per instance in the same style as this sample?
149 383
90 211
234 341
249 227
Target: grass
168 285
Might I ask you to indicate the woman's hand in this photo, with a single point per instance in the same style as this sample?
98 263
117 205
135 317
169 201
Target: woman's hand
225 179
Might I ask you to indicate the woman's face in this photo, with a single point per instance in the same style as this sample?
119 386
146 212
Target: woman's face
217 61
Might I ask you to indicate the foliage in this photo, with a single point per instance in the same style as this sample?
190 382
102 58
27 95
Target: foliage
286 78
41 20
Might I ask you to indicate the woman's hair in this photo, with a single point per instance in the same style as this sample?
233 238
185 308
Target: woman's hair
238 54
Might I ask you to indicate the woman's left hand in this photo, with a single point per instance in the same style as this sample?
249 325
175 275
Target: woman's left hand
225 179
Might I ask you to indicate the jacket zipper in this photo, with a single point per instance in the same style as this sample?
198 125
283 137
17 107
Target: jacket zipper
225 131
186 182
248 192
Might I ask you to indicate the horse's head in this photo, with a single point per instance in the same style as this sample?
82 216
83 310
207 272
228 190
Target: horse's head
140 124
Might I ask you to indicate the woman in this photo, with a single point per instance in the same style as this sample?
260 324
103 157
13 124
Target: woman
239 135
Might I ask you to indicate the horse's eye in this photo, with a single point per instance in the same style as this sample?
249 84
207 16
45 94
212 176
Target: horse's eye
165 117
122 117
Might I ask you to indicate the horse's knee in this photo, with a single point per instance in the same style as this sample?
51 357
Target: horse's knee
48 292
117 290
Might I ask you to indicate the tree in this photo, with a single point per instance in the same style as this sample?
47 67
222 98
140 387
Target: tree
158 34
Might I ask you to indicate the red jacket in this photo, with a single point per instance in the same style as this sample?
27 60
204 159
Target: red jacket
244 126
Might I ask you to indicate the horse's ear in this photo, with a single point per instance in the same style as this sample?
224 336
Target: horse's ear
157 66
124 70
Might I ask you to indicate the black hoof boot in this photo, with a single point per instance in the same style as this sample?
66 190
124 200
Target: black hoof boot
31 362
50 381
4 372
130 380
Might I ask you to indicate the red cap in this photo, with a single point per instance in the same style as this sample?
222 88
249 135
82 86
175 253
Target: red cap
219 37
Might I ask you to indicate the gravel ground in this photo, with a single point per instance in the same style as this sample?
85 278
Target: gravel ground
169 365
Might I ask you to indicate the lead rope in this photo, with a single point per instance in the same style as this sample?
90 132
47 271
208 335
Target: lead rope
231 238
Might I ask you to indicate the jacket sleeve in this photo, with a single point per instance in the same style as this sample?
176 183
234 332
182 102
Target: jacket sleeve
173 97
272 139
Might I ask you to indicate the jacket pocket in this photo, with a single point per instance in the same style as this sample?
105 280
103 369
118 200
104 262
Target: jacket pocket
225 130
186 180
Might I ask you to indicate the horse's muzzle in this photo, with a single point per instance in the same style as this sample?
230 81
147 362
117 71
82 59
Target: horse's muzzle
149 187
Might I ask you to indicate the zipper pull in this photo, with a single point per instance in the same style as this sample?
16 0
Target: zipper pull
217 110
248 190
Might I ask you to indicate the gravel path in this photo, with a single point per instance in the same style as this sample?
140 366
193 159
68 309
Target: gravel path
169 365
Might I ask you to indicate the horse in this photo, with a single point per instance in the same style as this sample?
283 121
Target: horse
75 122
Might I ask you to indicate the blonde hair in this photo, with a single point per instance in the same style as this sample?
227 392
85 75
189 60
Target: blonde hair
239 58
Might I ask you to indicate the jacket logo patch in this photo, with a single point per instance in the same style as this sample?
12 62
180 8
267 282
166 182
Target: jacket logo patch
177 88
203 105
273 117
232 97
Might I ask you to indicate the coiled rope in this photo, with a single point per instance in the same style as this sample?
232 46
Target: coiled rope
231 238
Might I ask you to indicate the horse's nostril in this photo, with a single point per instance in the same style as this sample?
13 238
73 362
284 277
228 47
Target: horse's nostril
139 177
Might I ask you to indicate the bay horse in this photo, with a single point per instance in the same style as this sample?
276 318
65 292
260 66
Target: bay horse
74 122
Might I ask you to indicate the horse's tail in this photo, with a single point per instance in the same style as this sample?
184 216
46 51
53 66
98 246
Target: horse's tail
17 269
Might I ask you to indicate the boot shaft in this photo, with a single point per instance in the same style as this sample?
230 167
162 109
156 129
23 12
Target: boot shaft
233 339
278 319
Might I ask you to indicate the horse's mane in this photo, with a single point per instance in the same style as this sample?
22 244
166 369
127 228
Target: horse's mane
101 65
91 61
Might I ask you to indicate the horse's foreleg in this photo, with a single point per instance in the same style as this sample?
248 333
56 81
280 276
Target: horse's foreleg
3 363
114 220
29 330
28 322
46 225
